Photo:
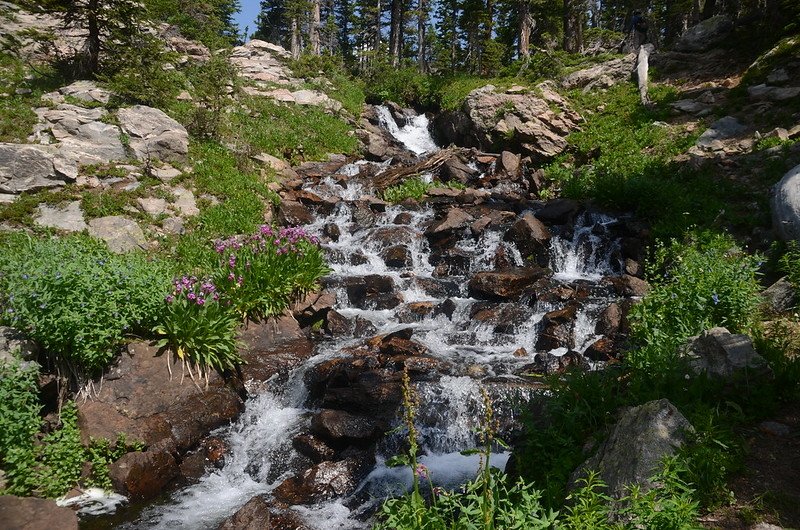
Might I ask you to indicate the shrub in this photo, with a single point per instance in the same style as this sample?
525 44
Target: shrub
412 188
260 274
77 299
705 282
214 82
405 86
199 328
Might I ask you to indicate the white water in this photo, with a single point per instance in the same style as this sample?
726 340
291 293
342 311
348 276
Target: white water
415 135
480 354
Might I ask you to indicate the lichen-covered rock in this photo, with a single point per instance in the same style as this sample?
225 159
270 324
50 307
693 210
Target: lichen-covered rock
636 447
785 204
603 75
29 168
705 35
68 218
120 233
153 135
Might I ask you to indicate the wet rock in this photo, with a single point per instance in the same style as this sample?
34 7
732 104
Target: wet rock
363 216
331 231
259 514
455 219
529 235
387 236
505 317
337 324
359 385
627 285
313 307
559 211
456 171
403 218
292 213
68 218
602 349
557 329
437 287
397 257
780 296
721 354
446 308
29 513
546 363
505 285
325 481
450 262
343 428
414 312
153 134
215 449
637 446
372 292
120 233
609 320
313 447
143 475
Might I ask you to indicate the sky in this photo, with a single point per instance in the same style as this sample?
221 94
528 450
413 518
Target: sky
248 14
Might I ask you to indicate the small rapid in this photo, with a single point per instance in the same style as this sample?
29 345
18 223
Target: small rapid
390 276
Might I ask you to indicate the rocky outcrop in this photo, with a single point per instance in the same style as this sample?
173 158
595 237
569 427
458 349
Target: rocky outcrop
705 35
720 354
154 135
636 447
603 75
120 233
68 217
28 168
506 284
534 124
785 204
29 513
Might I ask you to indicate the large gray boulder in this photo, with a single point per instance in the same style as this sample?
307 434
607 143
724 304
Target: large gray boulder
601 75
68 217
705 35
535 124
120 233
720 354
638 443
30 168
785 205
722 129
154 135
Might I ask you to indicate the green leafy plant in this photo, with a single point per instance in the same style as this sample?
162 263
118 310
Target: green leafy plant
199 328
704 282
261 273
77 299
101 453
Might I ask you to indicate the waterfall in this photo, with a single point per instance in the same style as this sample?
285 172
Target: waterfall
414 135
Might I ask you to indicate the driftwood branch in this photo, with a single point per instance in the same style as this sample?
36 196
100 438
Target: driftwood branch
394 175
642 67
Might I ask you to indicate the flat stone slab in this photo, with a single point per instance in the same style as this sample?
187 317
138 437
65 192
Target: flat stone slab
68 218
120 233
30 168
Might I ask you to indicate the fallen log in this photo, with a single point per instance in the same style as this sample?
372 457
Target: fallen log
395 175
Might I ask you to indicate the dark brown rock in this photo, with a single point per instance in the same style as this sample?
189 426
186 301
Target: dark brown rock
372 292
29 513
258 514
627 285
455 219
609 320
529 235
331 231
507 284
143 475
292 213
341 427
559 211
312 447
509 163
414 312
397 257
602 349
325 481
546 363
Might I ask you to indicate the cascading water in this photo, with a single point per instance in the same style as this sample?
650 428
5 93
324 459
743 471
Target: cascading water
481 353
414 135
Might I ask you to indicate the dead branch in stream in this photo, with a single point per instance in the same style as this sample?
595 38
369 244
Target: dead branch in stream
394 175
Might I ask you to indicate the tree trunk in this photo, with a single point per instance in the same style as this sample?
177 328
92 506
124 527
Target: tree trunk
396 31
708 9
422 21
525 29
314 28
93 41
454 41
296 46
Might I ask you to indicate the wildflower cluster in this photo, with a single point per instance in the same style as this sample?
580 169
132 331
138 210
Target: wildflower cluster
260 273
195 291
199 327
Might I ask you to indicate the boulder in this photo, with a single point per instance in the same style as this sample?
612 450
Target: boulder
258 514
120 233
313 447
704 35
546 363
603 75
340 427
718 353
372 292
780 296
636 447
785 205
143 475
30 513
68 218
153 135
722 129
772 93
29 168
525 123
529 234
325 481
292 213
558 211
506 284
